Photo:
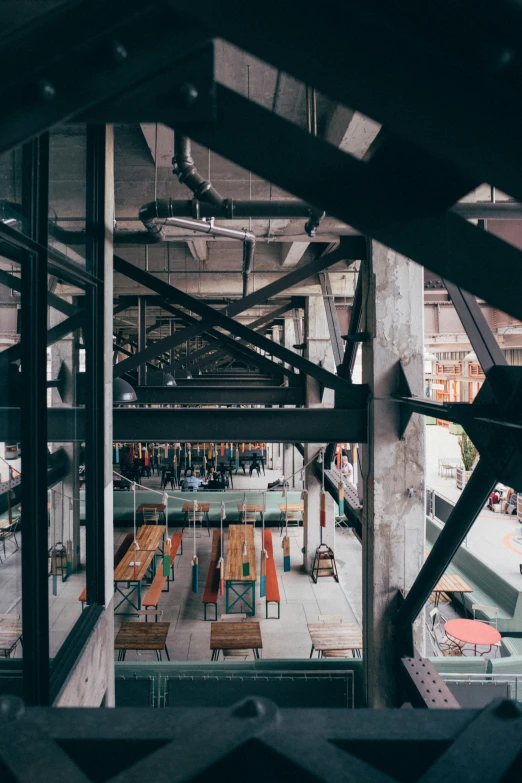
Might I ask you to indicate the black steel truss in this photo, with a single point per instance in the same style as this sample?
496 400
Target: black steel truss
441 241
331 318
217 318
221 395
351 248
376 746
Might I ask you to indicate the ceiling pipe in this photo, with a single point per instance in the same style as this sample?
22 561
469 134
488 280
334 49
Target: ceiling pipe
160 210
187 173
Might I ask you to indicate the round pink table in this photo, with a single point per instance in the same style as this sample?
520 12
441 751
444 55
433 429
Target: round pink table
473 632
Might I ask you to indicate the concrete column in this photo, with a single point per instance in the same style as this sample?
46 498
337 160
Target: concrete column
319 351
65 500
393 522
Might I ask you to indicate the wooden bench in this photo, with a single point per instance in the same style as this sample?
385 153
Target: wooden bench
176 542
154 592
118 555
210 596
272 586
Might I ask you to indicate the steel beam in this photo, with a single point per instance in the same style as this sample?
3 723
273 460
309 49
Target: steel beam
114 56
440 241
52 300
350 248
350 351
197 425
220 395
331 318
225 322
471 502
412 56
142 336
55 334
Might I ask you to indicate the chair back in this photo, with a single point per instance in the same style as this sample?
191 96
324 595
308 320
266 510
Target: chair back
233 618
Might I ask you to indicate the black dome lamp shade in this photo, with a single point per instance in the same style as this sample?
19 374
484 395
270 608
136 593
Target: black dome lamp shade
168 379
122 391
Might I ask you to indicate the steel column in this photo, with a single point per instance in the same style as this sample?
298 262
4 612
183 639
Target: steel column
332 319
33 426
142 337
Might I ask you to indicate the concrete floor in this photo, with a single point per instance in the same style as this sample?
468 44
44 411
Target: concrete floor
494 537
302 601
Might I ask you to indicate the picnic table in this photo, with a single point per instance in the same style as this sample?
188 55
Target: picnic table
142 636
150 537
133 575
473 632
335 636
251 510
450 583
235 636
240 589
10 635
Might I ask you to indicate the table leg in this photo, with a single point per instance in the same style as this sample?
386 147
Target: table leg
312 651
167 653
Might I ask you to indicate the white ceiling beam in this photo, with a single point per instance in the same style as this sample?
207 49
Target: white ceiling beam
292 255
351 131
198 249
163 146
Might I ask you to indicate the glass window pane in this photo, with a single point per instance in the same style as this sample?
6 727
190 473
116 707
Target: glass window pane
67 190
10 463
66 457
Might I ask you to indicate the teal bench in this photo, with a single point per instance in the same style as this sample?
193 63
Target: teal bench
511 665
461 664
489 589
511 645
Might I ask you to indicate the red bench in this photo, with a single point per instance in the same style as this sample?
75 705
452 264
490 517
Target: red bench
122 549
210 596
272 586
154 592
176 542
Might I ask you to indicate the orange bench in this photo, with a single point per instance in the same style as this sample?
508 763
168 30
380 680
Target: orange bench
210 596
118 555
154 592
272 587
176 542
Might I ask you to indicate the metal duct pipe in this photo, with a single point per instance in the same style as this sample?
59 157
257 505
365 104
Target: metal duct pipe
187 173
208 227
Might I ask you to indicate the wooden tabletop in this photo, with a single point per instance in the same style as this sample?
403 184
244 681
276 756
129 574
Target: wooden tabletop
5 524
150 537
188 507
451 583
151 507
234 559
125 572
10 633
335 636
141 636
251 508
293 507
235 636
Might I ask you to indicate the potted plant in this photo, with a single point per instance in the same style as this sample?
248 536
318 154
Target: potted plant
469 455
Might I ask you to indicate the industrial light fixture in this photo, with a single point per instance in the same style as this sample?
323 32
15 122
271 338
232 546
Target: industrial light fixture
168 379
122 391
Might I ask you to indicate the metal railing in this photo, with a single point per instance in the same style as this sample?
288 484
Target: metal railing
513 681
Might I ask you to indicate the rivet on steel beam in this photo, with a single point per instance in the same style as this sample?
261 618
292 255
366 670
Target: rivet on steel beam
46 90
119 52
11 708
188 93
